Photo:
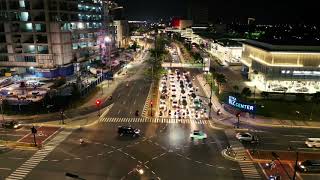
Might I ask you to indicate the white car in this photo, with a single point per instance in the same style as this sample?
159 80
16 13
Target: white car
199 135
173 97
162 104
174 104
242 136
313 142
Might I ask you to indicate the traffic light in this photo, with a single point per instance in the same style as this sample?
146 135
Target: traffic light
151 103
238 114
98 102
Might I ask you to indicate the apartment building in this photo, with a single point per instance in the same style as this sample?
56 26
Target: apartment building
50 38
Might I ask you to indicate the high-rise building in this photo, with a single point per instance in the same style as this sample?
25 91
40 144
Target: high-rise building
50 36
198 12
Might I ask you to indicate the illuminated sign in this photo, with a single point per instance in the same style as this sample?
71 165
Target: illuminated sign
233 101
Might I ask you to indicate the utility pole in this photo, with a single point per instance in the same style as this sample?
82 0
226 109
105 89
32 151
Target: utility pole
62 116
210 103
295 167
238 116
151 107
1 101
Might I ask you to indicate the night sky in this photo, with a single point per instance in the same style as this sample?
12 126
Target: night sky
265 11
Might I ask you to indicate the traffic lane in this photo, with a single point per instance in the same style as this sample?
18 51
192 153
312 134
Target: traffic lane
309 176
138 97
169 166
12 159
282 139
111 166
129 99
107 133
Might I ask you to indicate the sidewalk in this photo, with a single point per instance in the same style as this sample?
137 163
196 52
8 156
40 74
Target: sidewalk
229 119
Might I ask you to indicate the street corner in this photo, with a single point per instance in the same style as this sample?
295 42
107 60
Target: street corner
275 170
229 154
43 133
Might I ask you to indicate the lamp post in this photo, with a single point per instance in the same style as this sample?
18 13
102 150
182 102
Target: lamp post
1 103
108 40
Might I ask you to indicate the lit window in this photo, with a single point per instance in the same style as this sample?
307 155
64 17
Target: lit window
80 25
29 26
22 4
24 16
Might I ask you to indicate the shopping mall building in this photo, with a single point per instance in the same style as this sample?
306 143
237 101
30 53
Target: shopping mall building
281 67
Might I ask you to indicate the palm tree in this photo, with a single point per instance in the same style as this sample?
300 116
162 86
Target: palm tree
264 94
220 78
246 92
236 89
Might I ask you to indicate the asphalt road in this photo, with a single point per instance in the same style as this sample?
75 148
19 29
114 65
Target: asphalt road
163 151
130 96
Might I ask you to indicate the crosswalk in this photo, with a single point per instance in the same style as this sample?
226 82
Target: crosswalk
152 120
31 163
247 167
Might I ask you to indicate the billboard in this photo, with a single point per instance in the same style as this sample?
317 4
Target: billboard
234 102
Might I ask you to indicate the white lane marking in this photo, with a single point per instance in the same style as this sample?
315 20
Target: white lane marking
292 135
297 141
7 169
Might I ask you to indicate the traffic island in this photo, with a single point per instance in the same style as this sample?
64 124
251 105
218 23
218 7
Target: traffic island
229 154
20 145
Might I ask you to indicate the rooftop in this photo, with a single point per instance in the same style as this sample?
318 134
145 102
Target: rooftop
294 45
229 43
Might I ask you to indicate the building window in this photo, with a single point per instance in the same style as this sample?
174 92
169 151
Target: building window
75 46
4 58
29 49
40 27
27 27
43 49
29 59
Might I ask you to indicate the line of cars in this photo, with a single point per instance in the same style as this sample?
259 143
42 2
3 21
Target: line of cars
178 98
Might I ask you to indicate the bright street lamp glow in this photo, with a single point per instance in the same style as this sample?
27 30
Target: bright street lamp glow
107 39
140 171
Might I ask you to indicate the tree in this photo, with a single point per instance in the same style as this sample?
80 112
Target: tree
264 94
236 89
316 98
246 92
221 79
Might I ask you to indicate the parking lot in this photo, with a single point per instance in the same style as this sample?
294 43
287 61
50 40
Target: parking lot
178 97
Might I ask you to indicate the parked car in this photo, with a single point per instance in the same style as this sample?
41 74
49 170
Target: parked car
162 105
128 131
